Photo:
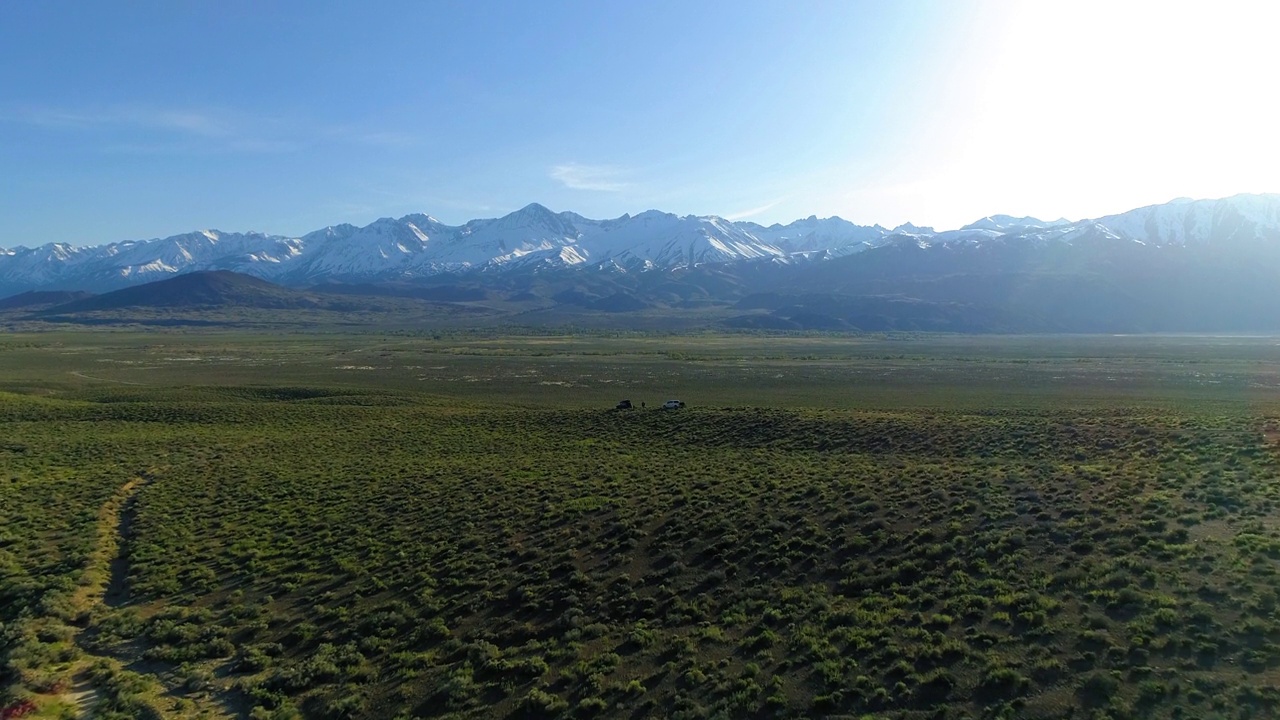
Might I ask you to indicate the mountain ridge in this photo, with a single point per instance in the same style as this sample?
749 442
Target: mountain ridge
537 239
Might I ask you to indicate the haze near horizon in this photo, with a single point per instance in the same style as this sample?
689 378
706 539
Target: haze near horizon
127 122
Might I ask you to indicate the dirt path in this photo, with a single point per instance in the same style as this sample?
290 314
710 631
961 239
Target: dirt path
117 591
100 573
103 587
106 560
82 695
81 375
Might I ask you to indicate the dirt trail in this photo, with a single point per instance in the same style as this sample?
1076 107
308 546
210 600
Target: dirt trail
79 374
105 584
106 560
103 587
92 588
117 591
82 695
100 574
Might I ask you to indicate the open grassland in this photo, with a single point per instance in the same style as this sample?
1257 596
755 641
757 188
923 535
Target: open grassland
376 526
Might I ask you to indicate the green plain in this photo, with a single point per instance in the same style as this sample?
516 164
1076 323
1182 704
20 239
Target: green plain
381 525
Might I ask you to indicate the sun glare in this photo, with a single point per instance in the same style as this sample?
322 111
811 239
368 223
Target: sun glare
1170 97
1080 109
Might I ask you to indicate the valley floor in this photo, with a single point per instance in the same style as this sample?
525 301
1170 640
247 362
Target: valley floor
216 524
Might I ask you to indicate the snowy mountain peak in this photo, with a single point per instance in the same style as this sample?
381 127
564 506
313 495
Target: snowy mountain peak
912 229
1003 222
1240 218
536 218
418 245
652 215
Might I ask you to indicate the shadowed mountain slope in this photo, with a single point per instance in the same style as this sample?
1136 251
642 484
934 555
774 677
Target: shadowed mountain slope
218 288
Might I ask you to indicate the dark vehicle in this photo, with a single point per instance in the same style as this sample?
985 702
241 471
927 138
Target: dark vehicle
624 405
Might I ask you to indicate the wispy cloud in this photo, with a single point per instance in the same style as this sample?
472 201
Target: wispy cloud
600 178
364 136
184 130
203 123
386 139
743 215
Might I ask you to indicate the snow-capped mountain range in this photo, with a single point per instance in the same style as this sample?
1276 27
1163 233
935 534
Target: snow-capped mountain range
534 238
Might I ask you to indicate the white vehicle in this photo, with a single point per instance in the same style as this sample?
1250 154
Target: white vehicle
672 405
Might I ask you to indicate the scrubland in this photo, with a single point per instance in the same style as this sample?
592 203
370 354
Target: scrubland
399 525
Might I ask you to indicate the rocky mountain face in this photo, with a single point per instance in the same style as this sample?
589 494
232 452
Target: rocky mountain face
408 247
1186 265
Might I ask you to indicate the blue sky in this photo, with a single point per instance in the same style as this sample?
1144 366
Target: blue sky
136 120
